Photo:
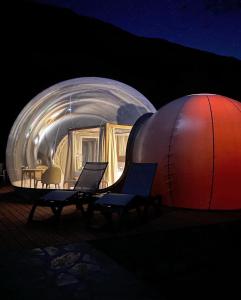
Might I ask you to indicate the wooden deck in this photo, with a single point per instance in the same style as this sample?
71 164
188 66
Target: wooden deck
15 234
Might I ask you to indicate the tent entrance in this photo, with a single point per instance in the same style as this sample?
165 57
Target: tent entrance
105 143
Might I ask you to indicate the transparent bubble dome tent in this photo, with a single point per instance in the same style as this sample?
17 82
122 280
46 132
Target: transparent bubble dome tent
74 121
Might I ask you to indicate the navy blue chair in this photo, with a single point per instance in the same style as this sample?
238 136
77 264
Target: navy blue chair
86 185
135 191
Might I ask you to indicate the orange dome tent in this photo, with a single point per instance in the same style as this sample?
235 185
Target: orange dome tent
196 141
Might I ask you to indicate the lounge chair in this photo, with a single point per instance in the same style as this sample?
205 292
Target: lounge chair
135 192
86 185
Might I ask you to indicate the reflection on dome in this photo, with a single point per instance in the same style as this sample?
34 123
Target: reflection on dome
78 120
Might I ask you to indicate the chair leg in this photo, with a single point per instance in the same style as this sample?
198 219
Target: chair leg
89 212
57 212
79 206
108 216
146 212
122 214
157 202
30 217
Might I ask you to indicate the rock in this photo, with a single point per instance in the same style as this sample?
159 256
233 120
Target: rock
64 261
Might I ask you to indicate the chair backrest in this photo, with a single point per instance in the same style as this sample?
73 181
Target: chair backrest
52 175
139 179
90 177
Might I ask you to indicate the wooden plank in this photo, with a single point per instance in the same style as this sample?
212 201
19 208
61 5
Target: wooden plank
23 237
16 235
49 237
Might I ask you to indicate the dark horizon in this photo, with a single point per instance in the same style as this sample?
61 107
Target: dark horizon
208 25
41 54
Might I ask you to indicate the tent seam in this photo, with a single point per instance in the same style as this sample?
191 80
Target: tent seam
213 150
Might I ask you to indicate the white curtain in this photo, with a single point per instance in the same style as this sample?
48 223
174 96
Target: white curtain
111 155
68 176
60 156
107 144
122 143
77 152
82 147
85 146
89 149
102 141
122 139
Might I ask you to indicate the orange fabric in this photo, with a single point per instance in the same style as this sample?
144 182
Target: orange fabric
227 162
152 145
191 157
196 141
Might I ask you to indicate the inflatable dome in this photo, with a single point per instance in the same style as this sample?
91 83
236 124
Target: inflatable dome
74 121
196 141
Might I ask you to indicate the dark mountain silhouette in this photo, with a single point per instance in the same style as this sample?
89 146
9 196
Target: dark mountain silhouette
45 45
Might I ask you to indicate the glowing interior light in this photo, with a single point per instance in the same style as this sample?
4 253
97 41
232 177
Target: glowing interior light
49 121
36 140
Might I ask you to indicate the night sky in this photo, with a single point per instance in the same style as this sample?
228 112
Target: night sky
210 25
